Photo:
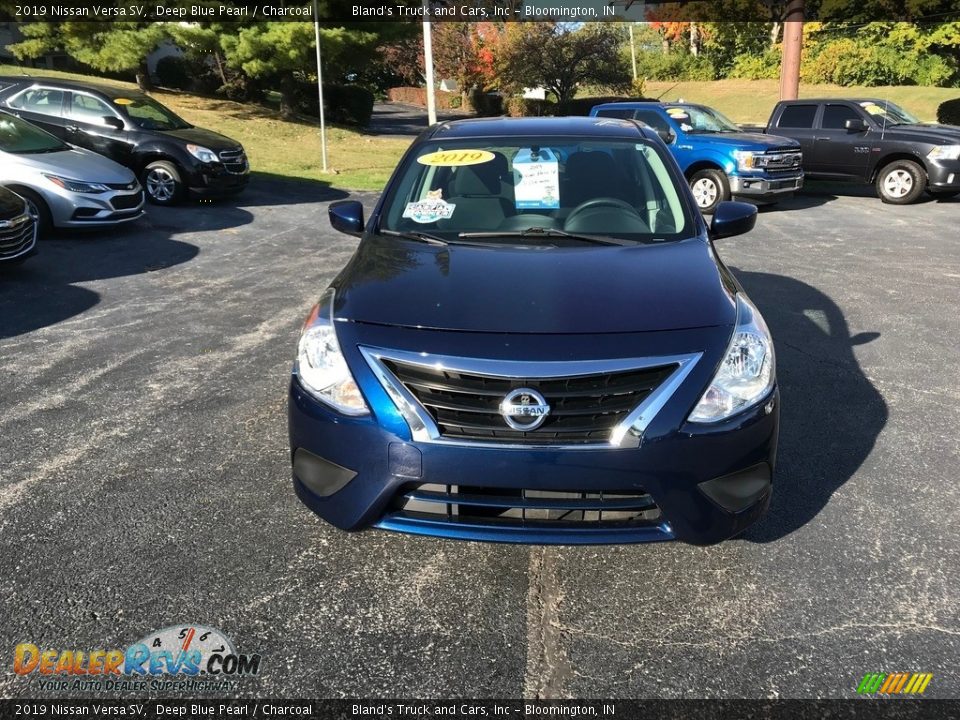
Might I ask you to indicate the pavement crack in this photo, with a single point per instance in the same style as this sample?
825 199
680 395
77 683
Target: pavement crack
548 667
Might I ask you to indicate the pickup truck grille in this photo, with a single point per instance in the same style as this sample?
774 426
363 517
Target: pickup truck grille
16 236
235 161
783 161
584 409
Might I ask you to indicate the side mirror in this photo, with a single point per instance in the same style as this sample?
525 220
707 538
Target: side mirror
347 217
855 125
733 218
112 121
666 135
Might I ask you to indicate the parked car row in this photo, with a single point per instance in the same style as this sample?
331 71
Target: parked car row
849 140
83 155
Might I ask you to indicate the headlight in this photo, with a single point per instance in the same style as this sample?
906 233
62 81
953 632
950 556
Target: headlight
321 366
945 152
749 160
77 186
746 374
202 154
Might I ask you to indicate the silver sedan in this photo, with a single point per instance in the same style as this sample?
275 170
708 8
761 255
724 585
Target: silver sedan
65 186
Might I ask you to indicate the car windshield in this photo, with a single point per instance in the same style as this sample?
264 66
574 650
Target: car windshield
554 191
148 114
20 137
886 113
692 119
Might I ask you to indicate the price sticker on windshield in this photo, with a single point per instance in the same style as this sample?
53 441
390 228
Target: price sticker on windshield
677 113
456 158
122 101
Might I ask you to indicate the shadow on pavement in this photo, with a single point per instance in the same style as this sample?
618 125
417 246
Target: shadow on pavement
43 291
831 414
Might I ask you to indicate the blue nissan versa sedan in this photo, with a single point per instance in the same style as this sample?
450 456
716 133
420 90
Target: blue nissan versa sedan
536 342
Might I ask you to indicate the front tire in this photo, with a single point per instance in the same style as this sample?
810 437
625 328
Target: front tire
901 182
709 188
162 183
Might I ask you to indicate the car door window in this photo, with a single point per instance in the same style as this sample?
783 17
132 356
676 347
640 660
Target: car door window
87 109
835 116
39 100
616 113
654 120
798 116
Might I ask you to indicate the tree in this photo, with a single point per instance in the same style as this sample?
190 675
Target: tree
111 47
455 54
549 55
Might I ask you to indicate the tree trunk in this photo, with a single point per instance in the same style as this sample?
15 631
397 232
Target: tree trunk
694 39
286 95
774 34
143 77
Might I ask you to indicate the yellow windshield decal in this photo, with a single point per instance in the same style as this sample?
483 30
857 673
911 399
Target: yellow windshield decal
456 158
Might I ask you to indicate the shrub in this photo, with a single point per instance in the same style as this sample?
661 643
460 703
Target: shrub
948 112
418 96
528 107
345 104
674 66
751 66
174 71
486 104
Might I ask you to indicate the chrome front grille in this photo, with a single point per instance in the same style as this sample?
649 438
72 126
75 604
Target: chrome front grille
522 507
235 161
16 236
780 161
587 403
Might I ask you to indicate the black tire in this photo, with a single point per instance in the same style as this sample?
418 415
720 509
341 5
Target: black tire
710 188
37 207
943 194
162 183
901 182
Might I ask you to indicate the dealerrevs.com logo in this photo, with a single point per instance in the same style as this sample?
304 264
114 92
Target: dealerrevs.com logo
894 683
176 658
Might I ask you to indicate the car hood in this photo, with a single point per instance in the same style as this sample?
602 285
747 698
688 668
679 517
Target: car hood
527 290
751 141
939 134
75 163
206 138
10 205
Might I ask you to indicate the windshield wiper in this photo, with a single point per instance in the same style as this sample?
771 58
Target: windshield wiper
414 235
548 232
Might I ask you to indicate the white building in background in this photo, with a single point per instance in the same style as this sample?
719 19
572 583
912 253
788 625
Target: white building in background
534 94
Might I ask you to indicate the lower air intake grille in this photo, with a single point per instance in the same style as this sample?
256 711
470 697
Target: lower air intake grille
539 508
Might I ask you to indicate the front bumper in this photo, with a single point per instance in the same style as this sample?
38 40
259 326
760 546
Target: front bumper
78 210
944 175
708 482
215 179
759 187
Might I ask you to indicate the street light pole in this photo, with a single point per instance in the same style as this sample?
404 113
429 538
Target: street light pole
633 53
323 129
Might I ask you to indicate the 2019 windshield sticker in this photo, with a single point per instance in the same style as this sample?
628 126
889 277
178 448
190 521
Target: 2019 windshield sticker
432 208
456 158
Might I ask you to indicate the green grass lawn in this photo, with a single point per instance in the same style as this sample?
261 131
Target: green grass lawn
751 101
359 161
289 148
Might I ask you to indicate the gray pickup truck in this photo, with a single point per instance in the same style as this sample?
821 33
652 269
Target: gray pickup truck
872 141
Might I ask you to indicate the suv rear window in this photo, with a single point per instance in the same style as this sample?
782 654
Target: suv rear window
798 116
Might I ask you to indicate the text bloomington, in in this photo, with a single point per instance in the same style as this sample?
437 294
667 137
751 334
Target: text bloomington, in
402 12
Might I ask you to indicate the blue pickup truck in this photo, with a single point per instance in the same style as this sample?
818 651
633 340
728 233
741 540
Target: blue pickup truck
718 160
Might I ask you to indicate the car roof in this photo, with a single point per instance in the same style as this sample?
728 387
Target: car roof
640 104
540 126
802 101
109 91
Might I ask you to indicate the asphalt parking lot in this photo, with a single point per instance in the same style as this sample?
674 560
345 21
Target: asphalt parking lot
144 479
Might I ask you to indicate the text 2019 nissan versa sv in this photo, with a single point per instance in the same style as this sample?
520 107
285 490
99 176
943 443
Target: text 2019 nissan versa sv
536 342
